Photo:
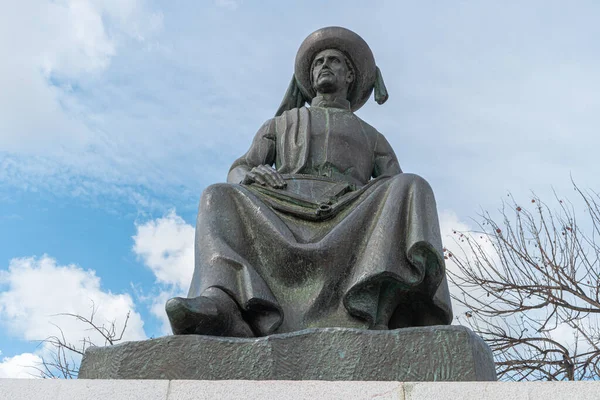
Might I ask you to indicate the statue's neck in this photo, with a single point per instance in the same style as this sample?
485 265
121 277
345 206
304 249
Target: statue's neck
340 94
320 101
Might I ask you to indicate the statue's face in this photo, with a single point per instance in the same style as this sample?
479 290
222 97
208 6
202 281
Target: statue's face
330 72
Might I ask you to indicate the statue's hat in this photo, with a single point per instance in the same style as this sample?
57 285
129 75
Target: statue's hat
366 74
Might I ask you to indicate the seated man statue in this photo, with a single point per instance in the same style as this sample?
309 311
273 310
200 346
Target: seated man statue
317 225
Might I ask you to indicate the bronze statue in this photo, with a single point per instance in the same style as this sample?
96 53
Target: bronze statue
317 225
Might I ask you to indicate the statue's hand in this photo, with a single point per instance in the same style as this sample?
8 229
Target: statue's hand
266 176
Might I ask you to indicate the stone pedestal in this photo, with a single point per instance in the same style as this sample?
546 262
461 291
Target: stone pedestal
435 353
97 389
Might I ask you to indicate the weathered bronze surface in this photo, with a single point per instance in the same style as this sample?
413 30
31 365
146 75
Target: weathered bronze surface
317 226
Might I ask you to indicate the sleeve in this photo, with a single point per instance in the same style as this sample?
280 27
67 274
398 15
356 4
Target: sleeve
261 152
385 161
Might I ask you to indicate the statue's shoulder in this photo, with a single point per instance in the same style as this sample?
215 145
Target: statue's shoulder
368 128
284 118
280 124
295 115
292 113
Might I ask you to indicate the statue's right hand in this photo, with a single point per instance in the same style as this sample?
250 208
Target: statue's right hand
266 176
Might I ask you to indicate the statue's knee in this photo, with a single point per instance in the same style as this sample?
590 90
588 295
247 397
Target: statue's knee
215 192
215 196
414 181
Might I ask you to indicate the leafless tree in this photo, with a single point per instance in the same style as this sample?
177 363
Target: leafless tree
61 362
529 285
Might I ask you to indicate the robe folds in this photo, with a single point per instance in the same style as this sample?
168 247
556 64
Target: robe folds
350 242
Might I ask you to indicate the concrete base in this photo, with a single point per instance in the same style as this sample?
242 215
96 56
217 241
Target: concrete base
45 389
435 353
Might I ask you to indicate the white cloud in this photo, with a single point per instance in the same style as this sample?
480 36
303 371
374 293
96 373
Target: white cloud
20 366
454 233
37 290
166 246
48 46
157 308
81 41
449 224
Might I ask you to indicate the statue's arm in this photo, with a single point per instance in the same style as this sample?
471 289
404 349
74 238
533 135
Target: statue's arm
258 158
385 161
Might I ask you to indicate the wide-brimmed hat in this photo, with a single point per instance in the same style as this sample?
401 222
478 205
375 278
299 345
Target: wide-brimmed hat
366 74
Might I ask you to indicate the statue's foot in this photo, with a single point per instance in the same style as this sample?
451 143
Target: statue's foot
187 316
214 313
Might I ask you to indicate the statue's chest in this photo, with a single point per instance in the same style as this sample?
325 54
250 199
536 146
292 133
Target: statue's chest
337 139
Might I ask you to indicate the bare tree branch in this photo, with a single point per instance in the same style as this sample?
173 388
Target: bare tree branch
60 362
531 285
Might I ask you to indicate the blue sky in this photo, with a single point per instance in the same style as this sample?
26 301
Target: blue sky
116 114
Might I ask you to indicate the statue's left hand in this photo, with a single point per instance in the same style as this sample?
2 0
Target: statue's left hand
265 175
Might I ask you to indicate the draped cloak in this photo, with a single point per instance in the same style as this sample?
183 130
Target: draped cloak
350 242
